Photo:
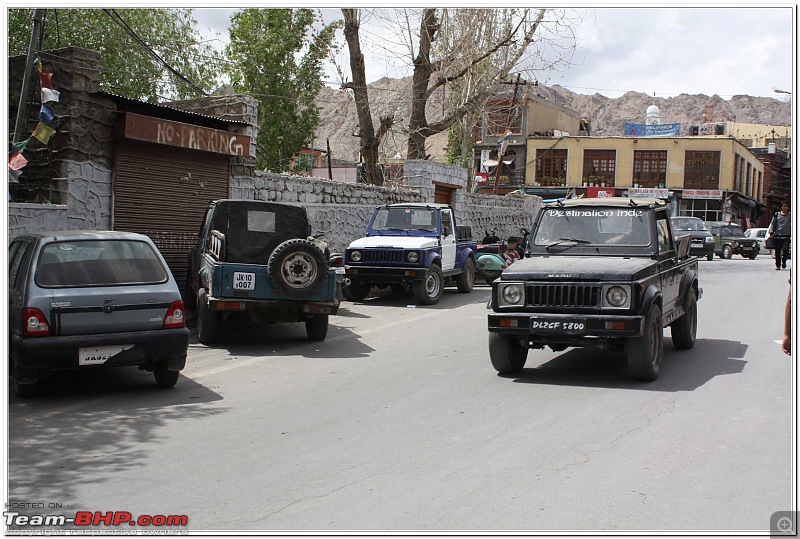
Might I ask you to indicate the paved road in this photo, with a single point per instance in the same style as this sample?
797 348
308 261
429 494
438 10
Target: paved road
399 422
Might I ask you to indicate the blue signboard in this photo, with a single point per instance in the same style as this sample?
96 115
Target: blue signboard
659 130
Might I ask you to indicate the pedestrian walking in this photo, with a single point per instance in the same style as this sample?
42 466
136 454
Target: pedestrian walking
780 231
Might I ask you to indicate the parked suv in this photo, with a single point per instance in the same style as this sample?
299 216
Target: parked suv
729 240
702 240
91 299
760 235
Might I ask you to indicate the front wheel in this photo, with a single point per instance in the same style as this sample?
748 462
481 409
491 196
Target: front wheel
684 329
429 290
710 256
490 276
645 353
753 255
507 354
466 279
317 327
727 252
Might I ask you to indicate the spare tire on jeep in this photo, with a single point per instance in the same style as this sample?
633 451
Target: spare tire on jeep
297 268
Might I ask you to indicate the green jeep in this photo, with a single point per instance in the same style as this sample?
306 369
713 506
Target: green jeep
729 240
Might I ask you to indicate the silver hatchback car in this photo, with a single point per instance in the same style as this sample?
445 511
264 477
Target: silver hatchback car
90 299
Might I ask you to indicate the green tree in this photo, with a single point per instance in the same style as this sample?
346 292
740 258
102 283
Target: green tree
129 66
276 55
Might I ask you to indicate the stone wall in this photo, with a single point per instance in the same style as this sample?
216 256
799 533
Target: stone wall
340 210
84 122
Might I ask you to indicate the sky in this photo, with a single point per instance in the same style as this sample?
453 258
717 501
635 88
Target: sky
723 49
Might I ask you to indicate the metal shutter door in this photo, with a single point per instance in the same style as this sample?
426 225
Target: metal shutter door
163 191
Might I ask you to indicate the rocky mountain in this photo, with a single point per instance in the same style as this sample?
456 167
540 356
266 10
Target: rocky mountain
390 96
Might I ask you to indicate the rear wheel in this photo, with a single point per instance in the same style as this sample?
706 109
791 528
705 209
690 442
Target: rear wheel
27 387
207 319
684 329
165 377
466 280
355 291
507 354
646 352
317 327
727 252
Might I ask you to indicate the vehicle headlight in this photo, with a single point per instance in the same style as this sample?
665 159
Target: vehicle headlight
355 256
709 239
616 295
512 294
412 256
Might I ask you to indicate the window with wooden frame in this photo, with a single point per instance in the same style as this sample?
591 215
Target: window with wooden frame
650 168
599 166
551 166
701 170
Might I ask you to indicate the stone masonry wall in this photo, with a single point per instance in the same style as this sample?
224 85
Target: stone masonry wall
70 177
341 210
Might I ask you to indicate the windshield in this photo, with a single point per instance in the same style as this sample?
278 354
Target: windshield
731 230
400 218
593 226
688 224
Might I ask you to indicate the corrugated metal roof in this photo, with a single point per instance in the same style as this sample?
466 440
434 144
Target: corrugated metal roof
172 110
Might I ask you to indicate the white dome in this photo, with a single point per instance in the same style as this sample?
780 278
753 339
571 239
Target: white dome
653 110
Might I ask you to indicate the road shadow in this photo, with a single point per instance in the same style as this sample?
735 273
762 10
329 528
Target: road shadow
103 420
245 338
682 370
451 299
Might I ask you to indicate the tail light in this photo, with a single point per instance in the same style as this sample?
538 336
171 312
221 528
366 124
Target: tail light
35 323
174 317
337 260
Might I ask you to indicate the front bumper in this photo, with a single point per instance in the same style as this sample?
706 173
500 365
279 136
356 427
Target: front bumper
386 274
280 310
573 329
702 249
59 353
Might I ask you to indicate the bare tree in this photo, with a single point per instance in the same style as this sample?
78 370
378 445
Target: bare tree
468 51
370 139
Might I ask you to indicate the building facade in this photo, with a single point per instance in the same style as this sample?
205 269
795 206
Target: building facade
713 178
501 133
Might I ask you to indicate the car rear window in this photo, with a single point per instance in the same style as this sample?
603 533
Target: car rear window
99 263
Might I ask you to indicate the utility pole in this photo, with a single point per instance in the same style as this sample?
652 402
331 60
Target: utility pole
22 109
509 119
330 169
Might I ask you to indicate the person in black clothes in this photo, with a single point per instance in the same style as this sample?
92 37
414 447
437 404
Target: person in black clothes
780 230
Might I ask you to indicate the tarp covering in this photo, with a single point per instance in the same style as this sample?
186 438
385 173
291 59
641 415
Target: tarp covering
253 229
